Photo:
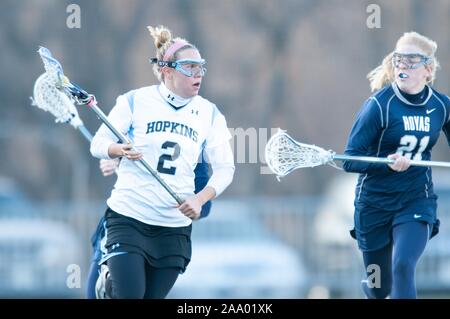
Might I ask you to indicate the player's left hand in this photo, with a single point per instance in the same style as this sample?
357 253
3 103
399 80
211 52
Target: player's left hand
191 207
108 167
401 163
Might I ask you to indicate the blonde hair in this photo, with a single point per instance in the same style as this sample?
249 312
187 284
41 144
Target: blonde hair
384 73
163 40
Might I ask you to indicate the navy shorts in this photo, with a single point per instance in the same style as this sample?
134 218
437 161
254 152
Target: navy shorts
96 239
373 226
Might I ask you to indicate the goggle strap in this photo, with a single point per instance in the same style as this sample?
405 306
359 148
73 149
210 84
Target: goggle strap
162 64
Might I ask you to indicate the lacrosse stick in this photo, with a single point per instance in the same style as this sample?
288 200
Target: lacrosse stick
57 82
50 99
45 93
284 154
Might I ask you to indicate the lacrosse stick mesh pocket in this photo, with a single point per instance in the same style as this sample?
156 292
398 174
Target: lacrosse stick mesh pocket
283 154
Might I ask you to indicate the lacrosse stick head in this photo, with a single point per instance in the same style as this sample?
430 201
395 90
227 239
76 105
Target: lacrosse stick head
49 98
49 93
284 154
55 73
52 67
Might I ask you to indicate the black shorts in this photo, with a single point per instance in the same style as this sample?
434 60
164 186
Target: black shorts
162 247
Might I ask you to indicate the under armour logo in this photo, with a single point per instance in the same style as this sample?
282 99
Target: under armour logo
194 112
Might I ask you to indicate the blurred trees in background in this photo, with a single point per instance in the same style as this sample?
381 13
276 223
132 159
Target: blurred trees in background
296 64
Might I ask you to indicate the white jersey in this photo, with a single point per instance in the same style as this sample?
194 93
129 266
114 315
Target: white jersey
171 140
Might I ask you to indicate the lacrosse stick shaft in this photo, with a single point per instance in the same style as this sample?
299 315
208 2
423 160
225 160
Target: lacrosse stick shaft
122 138
369 159
54 68
85 132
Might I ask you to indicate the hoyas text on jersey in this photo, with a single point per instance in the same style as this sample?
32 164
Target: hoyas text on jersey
416 123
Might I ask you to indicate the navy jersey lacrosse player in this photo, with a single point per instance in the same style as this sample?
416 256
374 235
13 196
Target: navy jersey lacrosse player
395 204
389 123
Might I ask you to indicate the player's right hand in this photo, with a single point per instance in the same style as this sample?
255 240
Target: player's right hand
401 163
124 150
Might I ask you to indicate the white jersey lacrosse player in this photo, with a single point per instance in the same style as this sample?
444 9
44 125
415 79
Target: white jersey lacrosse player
171 137
147 229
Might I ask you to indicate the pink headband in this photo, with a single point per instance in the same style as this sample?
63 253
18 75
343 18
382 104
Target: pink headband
174 48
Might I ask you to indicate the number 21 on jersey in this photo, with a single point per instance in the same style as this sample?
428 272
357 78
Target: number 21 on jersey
408 144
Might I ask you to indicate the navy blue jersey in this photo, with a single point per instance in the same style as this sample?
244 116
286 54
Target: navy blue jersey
389 123
201 179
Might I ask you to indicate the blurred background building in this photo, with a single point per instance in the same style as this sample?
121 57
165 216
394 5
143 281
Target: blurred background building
296 64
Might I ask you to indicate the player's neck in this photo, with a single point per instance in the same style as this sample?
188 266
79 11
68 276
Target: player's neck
415 98
171 98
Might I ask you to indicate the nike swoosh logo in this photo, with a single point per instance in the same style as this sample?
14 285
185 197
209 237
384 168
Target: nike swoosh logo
430 111
417 216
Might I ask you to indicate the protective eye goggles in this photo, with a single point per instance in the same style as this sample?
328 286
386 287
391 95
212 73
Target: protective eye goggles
188 67
410 60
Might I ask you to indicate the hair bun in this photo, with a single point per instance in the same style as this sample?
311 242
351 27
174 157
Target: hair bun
161 35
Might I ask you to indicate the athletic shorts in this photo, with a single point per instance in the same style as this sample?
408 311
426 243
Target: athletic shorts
162 247
373 226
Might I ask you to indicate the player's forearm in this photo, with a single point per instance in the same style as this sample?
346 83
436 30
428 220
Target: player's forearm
206 194
100 146
222 164
366 168
221 178
120 117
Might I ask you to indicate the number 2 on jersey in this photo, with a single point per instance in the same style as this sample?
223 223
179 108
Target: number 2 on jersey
168 157
408 144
